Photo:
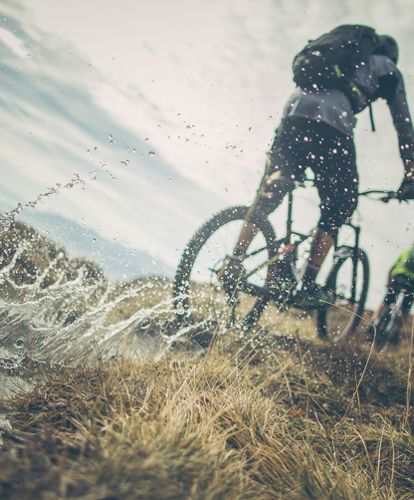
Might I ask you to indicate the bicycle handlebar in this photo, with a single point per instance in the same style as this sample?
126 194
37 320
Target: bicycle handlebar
387 195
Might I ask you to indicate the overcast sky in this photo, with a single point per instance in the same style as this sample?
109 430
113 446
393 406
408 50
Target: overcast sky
166 108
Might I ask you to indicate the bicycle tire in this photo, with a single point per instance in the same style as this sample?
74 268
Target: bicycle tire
388 326
325 330
183 274
381 335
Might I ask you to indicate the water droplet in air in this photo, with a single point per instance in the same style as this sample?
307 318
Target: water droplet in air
19 343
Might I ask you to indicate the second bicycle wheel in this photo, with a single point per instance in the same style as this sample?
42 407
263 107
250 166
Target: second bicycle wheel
348 279
198 293
384 329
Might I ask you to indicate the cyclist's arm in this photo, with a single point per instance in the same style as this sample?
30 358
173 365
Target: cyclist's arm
393 90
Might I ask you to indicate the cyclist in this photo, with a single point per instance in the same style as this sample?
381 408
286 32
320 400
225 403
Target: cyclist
316 131
401 275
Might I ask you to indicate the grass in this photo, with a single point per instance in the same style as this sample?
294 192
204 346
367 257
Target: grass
237 422
274 413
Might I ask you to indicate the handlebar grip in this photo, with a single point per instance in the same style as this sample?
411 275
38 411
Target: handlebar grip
397 197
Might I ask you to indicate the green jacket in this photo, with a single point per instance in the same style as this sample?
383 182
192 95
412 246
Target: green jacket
404 265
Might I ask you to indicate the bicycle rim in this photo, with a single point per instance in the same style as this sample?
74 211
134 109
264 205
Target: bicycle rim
199 296
341 318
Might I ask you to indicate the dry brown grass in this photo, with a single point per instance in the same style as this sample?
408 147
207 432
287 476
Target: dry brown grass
291 426
257 416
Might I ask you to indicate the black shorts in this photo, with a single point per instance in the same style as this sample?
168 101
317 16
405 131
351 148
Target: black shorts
300 143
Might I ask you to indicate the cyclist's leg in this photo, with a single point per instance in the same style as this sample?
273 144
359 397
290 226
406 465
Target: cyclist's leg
276 183
283 167
322 242
407 304
336 179
405 311
270 194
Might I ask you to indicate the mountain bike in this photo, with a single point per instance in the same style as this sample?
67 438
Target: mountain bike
272 273
386 329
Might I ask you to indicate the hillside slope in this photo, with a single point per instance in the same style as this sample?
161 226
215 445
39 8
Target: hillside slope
215 427
271 413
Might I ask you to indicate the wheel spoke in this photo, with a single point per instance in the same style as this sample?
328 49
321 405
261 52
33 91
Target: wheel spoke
349 280
203 294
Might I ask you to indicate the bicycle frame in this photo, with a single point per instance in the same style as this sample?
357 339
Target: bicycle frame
344 250
294 238
289 221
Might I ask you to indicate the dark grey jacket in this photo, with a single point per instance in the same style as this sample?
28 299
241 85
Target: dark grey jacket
379 78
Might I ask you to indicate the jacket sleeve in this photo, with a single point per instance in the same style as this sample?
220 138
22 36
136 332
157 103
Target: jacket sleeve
393 90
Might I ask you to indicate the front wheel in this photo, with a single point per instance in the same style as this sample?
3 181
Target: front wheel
348 279
198 293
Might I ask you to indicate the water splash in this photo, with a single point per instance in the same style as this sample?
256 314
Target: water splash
57 310
7 218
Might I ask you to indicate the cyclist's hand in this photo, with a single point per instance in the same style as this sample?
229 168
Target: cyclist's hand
406 190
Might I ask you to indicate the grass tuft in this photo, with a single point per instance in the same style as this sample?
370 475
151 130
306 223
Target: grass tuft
212 428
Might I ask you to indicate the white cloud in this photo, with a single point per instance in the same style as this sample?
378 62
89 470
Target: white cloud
206 82
13 42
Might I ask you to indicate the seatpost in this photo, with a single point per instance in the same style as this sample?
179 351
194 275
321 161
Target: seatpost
289 220
357 235
357 230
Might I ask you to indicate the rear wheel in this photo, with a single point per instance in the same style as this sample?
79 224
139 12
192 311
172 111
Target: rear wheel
383 329
348 279
198 293
389 324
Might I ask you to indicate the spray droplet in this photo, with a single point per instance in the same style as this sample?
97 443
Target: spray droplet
19 344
